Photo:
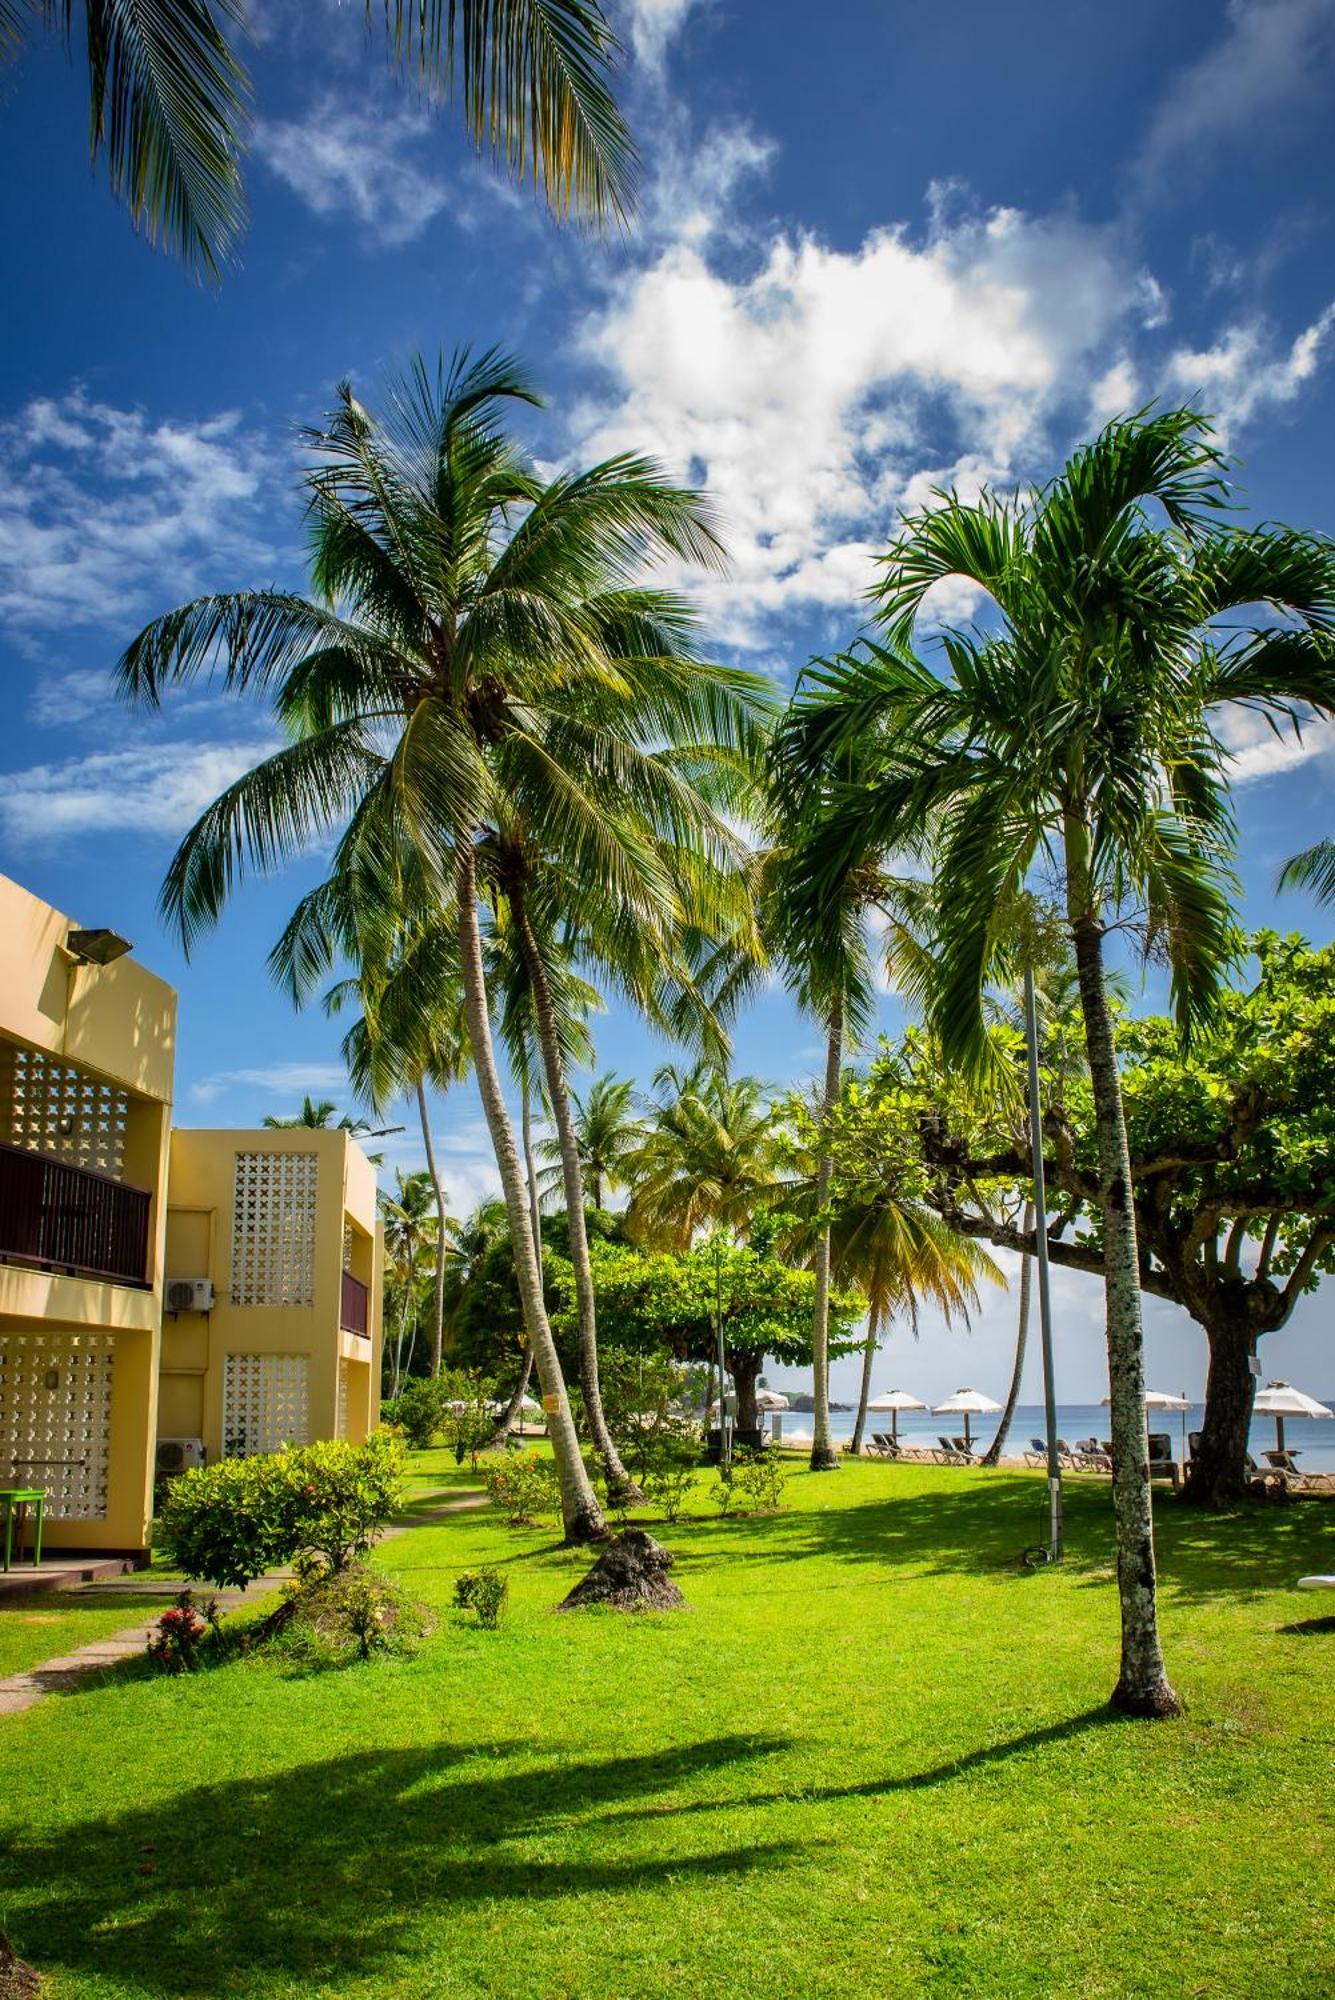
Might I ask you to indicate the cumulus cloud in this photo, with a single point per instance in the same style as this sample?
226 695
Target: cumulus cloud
1256 750
1272 55
1247 371
811 391
282 1080
342 160
106 513
156 788
653 24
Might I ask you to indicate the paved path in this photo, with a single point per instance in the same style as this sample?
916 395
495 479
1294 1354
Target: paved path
65 1674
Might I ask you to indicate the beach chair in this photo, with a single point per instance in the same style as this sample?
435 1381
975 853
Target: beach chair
883 1445
1162 1463
965 1450
951 1452
1090 1457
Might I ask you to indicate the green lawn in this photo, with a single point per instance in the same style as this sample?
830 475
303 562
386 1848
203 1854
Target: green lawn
872 1758
40 1628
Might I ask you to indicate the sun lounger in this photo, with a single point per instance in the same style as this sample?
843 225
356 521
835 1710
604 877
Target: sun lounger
883 1445
951 1452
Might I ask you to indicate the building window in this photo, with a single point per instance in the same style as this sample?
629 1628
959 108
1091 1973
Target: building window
273 1229
265 1403
49 1107
55 1418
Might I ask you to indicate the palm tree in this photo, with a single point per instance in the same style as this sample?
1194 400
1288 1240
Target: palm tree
475 656
1313 869
1075 731
607 1134
312 1117
170 101
409 1228
709 1155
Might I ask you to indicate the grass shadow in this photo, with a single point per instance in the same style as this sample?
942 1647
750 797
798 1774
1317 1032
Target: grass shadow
322 1871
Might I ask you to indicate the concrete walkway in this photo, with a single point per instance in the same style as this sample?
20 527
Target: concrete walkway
71 1670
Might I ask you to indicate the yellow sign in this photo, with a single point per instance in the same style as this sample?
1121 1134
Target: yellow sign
552 1405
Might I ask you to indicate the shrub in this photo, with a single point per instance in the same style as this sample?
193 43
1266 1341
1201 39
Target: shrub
228 1523
418 1410
724 1493
332 1617
183 1630
762 1476
670 1488
525 1486
484 1592
468 1412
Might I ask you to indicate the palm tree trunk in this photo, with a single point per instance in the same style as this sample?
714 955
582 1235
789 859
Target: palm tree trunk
514 1408
581 1515
403 1327
438 1340
864 1391
1143 1687
619 1482
824 1458
994 1450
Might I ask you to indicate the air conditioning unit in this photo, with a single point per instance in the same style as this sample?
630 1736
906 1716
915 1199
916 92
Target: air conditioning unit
179 1454
190 1295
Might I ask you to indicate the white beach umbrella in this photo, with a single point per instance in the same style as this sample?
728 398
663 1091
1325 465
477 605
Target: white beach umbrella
967 1403
895 1400
1158 1399
771 1399
1280 1400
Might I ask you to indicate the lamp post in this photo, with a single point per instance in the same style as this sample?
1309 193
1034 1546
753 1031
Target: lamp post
1041 1250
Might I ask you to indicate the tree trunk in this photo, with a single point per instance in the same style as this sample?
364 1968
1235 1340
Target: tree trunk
1142 1686
514 1409
994 1450
864 1392
744 1368
824 1458
408 1291
438 1308
619 1482
1217 1475
581 1515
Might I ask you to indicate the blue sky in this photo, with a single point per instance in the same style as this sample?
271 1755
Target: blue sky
930 246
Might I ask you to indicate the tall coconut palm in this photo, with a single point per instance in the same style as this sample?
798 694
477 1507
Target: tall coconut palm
1074 730
170 100
607 1132
1313 869
477 654
313 1117
709 1156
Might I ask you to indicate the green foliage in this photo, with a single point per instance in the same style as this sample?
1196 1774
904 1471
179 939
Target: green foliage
228 1523
418 1410
524 1485
184 1630
468 1412
485 1592
331 1617
760 1476
643 1394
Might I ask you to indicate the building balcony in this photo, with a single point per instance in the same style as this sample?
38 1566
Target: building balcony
354 1314
72 1219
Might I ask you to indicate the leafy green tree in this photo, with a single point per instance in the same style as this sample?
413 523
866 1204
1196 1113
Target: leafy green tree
662 1300
170 99
1074 729
1232 1148
410 1229
475 656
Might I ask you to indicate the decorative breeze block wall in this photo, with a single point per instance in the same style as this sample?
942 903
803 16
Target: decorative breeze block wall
341 1420
55 1418
51 1107
265 1403
273 1229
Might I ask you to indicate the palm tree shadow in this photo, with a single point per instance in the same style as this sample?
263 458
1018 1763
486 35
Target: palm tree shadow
285 1876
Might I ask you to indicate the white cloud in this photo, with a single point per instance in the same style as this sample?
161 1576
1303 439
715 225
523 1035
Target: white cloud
653 23
342 160
810 393
159 787
107 513
58 700
1271 56
1115 394
1245 371
1257 751
284 1080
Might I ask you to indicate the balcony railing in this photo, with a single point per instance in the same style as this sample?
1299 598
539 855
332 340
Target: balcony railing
353 1316
71 1219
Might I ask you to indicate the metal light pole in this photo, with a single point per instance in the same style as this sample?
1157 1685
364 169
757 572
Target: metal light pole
1041 1248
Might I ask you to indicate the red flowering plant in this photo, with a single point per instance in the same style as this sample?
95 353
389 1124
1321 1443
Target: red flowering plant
183 1630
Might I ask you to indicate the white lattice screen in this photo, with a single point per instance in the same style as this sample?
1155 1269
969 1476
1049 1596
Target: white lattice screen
264 1403
341 1421
273 1229
55 1418
50 1107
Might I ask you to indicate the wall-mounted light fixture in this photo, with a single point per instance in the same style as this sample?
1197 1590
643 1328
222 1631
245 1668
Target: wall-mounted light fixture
97 947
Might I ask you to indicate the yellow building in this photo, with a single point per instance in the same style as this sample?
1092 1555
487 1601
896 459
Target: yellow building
87 1042
271 1331
164 1296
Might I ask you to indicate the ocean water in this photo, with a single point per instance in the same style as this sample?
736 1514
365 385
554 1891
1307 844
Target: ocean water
1311 1439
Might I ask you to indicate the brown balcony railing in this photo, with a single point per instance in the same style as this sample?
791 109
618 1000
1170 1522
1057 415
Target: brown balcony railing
353 1316
71 1219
